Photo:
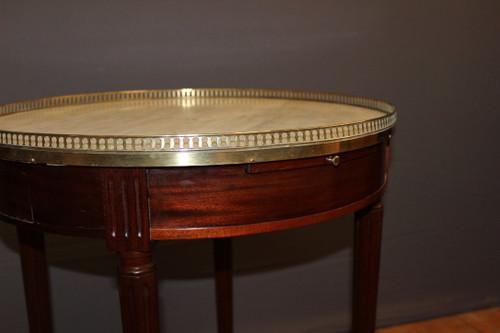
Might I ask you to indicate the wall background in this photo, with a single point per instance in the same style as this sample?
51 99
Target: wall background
437 61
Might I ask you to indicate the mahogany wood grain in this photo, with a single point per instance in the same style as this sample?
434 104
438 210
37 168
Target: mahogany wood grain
126 209
130 207
248 229
138 292
65 200
127 232
36 280
15 194
200 199
66 197
224 284
367 242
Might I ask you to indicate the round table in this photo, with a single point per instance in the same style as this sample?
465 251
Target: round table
135 167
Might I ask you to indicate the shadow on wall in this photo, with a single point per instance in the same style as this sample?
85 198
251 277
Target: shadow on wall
193 259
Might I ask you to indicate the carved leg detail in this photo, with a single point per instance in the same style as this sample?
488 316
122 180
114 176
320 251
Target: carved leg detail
36 281
368 235
224 284
138 292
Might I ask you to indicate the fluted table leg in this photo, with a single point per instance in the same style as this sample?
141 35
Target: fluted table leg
138 292
36 280
224 284
368 235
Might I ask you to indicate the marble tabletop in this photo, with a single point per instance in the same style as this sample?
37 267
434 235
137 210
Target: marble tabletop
186 121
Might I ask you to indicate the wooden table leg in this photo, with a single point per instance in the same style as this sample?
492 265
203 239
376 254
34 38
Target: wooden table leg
36 280
138 292
368 235
224 284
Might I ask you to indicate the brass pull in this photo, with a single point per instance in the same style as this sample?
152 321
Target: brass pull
335 160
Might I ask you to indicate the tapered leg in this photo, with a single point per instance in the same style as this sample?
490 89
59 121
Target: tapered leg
138 292
368 235
36 280
224 284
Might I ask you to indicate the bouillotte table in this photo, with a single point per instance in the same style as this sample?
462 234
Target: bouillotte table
135 167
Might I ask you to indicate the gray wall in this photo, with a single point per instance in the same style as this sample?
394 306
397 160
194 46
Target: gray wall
437 61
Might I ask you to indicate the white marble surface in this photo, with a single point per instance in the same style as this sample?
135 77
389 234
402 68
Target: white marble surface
185 116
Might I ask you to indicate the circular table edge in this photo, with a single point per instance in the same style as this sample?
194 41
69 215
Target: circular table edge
230 148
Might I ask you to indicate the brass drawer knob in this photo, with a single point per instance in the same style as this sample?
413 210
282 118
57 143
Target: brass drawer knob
335 160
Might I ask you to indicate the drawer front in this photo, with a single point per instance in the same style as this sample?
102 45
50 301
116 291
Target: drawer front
204 197
56 199
15 199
